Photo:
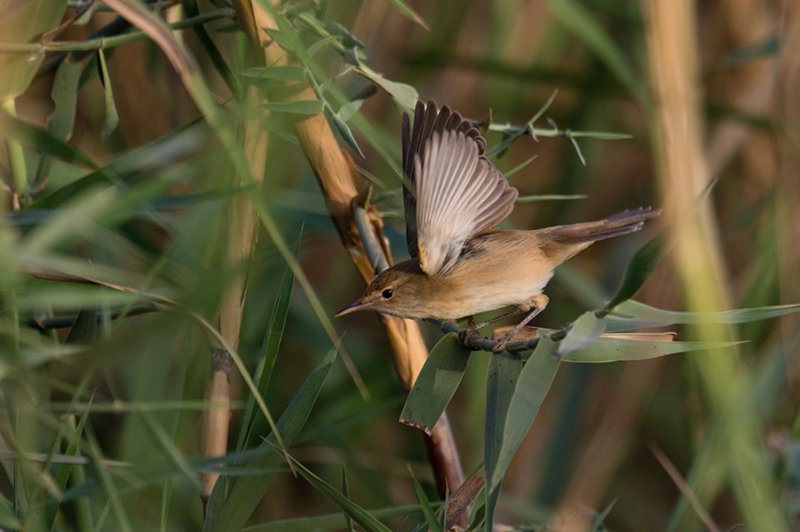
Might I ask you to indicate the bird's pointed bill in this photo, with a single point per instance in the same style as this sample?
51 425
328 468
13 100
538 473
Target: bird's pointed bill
352 307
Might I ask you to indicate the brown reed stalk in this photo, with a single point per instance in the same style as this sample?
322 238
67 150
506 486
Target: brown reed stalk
338 180
242 230
242 225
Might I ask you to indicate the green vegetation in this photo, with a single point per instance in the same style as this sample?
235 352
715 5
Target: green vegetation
190 190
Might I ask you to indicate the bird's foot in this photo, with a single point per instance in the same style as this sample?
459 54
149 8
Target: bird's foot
503 341
472 331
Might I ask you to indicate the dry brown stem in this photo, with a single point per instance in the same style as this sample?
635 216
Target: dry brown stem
242 224
338 179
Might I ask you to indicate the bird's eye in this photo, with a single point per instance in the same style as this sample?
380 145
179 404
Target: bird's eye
387 294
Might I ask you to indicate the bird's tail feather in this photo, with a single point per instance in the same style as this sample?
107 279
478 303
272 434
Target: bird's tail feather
618 224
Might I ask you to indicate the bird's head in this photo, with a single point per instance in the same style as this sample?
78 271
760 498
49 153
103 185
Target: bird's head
399 291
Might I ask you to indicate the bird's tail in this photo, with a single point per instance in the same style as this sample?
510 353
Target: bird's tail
570 239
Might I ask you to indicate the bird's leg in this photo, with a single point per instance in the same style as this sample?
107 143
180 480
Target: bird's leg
539 302
472 330
501 317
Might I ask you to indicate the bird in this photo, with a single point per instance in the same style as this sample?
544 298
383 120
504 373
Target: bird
461 264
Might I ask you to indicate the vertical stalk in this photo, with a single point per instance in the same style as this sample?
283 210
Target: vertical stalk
242 224
337 178
16 164
683 173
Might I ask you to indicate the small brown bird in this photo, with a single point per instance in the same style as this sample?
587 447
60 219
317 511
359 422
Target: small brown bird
461 264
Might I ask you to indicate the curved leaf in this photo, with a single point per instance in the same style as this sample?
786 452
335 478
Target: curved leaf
532 386
637 271
24 22
504 370
403 94
585 330
436 384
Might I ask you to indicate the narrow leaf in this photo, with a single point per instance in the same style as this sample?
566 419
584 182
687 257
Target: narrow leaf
436 384
578 20
597 522
170 450
79 219
403 94
65 96
356 512
504 370
743 315
344 131
41 139
348 39
7 517
110 488
521 167
252 417
550 197
84 330
637 271
285 39
300 107
586 329
619 349
534 381
278 73
63 472
346 492
327 521
428 511
406 11
234 499
111 116
24 22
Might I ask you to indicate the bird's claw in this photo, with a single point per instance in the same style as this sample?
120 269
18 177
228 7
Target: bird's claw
465 335
472 331
501 344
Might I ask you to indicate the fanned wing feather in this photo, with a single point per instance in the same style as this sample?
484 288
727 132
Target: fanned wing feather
459 194
427 120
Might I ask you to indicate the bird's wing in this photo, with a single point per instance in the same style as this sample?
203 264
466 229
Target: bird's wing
453 192
427 119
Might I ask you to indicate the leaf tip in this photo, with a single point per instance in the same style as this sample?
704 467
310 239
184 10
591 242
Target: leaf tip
415 425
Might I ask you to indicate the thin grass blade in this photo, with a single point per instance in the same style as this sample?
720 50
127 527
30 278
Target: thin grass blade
409 13
356 512
234 499
299 107
111 118
269 354
428 511
578 20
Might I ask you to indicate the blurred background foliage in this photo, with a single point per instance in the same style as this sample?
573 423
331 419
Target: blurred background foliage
122 179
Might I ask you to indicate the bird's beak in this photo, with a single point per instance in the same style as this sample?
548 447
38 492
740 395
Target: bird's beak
352 307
